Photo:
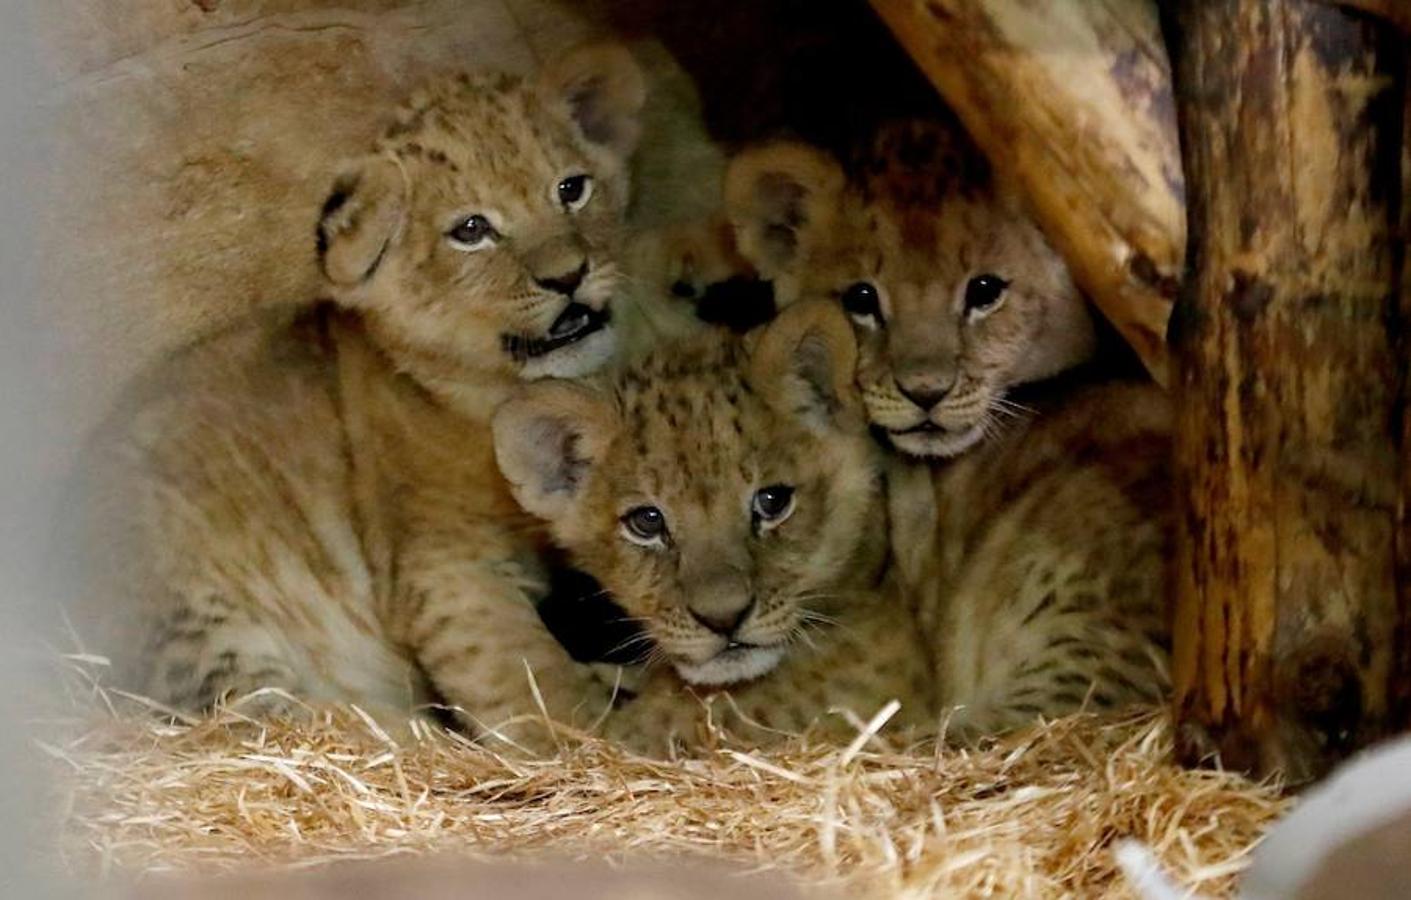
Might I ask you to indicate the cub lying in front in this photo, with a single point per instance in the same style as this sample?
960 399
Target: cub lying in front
732 501
313 506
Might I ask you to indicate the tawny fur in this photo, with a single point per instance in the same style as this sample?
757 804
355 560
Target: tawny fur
916 216
1038 567
311 504
695 430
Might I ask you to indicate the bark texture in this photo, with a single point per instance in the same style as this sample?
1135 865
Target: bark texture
1402 694
1071 99
1288 384
1398 12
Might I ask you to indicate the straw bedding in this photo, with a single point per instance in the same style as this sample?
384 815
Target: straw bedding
1036 814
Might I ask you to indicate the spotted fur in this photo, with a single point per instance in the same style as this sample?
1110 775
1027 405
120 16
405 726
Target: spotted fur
917 216
695 430
1010 585
1039 566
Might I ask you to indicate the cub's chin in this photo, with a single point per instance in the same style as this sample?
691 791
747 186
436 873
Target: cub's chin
934 442
730 666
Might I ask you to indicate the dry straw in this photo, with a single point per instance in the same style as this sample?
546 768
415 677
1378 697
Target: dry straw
1036 814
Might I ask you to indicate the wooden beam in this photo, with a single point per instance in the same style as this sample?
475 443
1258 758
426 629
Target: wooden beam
1398 12
1288 384
1071 100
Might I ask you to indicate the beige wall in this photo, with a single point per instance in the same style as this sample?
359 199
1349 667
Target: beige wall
198 136
198 139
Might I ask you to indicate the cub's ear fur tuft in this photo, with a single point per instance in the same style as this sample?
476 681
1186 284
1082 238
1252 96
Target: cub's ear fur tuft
604 90
360 219
778 197
805 362
548 436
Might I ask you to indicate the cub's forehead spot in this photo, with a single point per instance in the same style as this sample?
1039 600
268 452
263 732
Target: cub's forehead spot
483 135
693 427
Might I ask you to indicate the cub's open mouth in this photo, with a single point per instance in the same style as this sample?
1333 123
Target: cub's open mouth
577 321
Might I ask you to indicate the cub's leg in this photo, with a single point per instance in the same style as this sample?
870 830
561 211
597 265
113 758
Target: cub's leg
205 651
467 614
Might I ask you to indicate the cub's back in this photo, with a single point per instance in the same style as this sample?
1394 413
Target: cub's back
1044 589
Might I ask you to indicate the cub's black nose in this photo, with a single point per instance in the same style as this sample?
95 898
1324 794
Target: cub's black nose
564 284
924 396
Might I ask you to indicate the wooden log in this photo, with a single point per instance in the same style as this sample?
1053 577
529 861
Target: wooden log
1398 12
1402 698
1071 99
1287 384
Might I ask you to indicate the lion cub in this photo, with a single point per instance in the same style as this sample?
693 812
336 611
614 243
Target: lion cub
955 294
731 501
729 496
313 505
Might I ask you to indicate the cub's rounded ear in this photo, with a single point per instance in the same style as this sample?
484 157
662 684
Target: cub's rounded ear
360 219
778 198
805 362
603 89
548 436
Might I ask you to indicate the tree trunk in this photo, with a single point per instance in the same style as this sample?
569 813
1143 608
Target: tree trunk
1402 697
1071 99
1287 384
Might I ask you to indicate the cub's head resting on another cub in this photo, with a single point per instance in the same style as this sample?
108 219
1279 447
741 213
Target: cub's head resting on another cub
481 237
954 293
726 494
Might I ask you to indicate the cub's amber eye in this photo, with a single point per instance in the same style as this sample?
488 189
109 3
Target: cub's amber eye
860 301
472 233
573 192
984 292
645 525
772 505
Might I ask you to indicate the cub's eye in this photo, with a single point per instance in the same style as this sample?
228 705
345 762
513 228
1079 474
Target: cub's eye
860 301
573 192
983 293
772 505
472 233
645 525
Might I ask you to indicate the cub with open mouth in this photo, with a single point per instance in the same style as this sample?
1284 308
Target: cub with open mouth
728 497
306 508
